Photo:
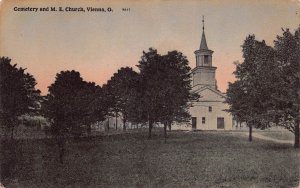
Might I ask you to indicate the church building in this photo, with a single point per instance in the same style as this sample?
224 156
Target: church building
208 113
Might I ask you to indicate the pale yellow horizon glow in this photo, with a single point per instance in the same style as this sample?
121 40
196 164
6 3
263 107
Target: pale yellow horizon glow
97 44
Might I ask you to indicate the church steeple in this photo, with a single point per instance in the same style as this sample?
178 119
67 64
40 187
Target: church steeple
203 55
204 72
203 44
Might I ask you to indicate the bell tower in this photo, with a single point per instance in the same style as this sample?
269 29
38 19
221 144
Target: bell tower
204 72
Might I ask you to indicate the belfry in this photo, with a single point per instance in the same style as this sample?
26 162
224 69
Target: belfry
204 72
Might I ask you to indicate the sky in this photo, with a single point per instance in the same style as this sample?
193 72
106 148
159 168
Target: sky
97 44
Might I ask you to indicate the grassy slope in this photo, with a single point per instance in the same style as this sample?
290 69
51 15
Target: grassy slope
198 159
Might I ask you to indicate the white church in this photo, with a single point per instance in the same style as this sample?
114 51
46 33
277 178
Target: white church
208 113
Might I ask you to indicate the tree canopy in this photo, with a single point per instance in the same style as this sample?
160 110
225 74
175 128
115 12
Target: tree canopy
18 94
120 91
165 91
267 90
72 103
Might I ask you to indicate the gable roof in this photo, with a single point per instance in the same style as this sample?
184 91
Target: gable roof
201 89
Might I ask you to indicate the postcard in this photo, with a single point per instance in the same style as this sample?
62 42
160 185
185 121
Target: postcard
137 94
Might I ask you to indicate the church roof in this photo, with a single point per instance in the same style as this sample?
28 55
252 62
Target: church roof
202 88
203 44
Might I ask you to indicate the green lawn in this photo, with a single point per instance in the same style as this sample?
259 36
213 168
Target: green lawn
193 159
280 135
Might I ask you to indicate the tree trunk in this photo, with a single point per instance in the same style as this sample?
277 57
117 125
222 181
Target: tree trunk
13 124
108 124
89 130
150 128
296 144
61 146
116 120
169 125
165 132
12 131
250 132
124 124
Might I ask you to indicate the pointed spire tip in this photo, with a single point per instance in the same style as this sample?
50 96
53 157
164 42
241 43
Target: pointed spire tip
203 22
203 44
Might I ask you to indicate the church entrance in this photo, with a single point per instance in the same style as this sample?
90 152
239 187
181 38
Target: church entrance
220 123
194 122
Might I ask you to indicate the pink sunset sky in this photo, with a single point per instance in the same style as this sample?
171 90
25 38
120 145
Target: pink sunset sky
97 44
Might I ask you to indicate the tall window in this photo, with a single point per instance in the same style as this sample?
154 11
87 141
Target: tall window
210 109
206 59
203 120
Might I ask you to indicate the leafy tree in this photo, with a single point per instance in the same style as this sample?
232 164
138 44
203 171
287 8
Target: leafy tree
92 103
17 94
249 96
136 111
110 100
121 88
164 88
152 74
267 87
71 103
287 95
177 90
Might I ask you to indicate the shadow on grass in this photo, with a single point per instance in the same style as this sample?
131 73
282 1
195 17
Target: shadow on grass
278 146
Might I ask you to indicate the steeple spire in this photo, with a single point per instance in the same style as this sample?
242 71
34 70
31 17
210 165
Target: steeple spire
204 72
203 23
203 44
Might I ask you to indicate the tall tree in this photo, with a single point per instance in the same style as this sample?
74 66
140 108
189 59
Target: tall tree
152 73
164 88
92 103
249 96
287 95
17 94
268 84
177 90
70 104
122 87
110 100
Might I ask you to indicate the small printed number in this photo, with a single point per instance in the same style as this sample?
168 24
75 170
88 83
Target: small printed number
126 9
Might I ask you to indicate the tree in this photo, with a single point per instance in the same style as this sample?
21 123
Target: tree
239 105
177 90
92 103
17 94
110 100
121 88
150 85
249 96
267 89
137 113
287 95
71 103
165 87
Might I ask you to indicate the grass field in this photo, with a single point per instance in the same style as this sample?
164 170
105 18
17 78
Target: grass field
188 159
280 135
